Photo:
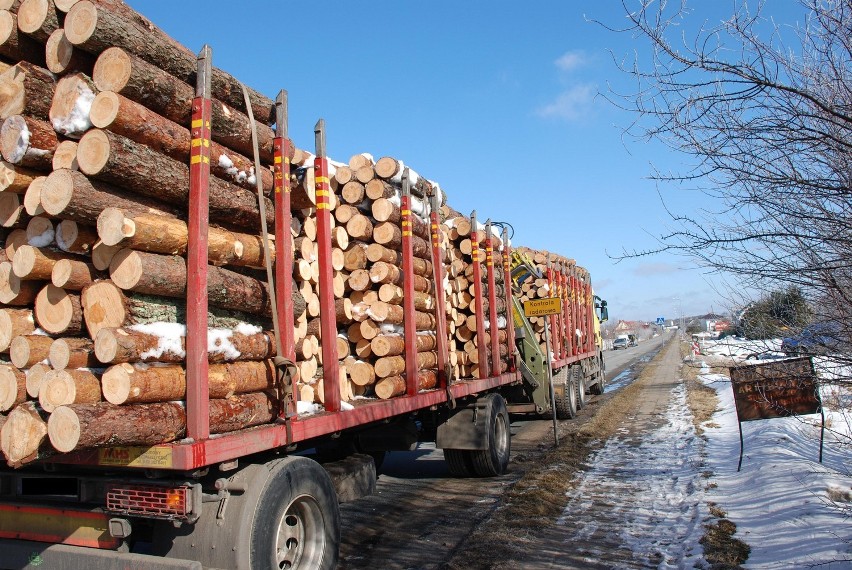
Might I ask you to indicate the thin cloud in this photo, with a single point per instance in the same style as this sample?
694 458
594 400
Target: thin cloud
653 269
571 60
570 105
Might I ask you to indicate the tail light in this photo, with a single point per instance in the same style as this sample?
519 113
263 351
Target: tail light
150 501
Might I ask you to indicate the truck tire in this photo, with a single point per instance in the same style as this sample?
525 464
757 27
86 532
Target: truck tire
566 400
580 381
297 521
495 460
597 388
459 462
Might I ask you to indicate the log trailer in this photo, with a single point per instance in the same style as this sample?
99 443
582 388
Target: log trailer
267 496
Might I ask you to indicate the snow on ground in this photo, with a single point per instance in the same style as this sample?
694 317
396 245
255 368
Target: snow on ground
643 496
740 349
791 510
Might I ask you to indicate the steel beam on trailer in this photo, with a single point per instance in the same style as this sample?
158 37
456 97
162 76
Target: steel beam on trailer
507 286
441 340
492 300
408 320
477 297
197 383
328 316
282 149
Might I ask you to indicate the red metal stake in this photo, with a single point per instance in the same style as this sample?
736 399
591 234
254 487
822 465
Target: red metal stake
551 284
575 311
409 322
494 330
441 333
477 297
567 325
282 149
328 316
507 287
197 383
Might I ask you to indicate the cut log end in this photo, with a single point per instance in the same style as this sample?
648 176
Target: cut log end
81 22
57 191
104 109
57 311
63 429
32 15
93 152
103 306
116 383
114 227
126 269
14 138
22 434
112 69
12 387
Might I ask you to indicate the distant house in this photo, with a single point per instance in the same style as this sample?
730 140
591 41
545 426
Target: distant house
628 327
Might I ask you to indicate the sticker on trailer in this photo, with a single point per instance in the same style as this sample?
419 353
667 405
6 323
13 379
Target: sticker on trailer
541 307
154 457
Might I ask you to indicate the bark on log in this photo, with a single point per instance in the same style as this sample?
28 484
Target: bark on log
97 28
64 387
15 179
33 263
26 88
74 275
14 322
29 142
130 119
23 433
15 292
38 18
58 312
13 387
73 196
87 426
120 161
132 384
72 353
393 386
394 345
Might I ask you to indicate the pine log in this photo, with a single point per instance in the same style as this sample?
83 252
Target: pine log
391 169
389 235
74 275
361 373
64 387
62 57
72 353
120 72
96 28
120 161
130 119
23 433
381 272
27 350
13 387
40 232
26 88
75 238
86 426
17 46
15 179
395 365
14 322
33 263
37 18
35 378
377 188
58 312
352 192
69 110
29 142
394 345
32 197
15 292
11 211
386 211
378 252
393 386
166 275
133 384
118 345
73 196
359 227
154 234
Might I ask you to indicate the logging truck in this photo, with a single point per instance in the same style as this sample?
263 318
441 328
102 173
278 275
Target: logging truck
209 338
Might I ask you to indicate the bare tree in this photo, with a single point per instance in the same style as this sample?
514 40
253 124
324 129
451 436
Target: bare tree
764 109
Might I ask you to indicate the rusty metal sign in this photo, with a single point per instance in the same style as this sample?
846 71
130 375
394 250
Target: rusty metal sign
778 389
775 389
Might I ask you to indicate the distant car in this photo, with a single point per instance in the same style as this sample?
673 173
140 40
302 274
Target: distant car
816 338
620 343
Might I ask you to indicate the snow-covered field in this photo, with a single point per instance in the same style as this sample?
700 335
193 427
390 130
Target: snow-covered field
791 510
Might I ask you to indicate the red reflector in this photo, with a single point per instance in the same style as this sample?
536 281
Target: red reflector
149 501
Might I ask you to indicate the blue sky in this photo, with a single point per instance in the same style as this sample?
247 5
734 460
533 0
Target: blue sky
494 100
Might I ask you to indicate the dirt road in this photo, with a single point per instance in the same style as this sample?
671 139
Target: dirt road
420 518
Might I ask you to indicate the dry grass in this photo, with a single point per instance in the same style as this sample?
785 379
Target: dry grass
538 497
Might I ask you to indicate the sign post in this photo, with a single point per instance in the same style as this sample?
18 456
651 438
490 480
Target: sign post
541 308
776 390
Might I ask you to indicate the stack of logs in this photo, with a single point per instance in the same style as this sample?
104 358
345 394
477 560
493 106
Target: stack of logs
96 103
531 287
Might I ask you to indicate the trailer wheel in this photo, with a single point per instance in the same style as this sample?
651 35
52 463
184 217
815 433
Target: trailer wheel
597 388
459 462
580 377
495 460
297 522
566 401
